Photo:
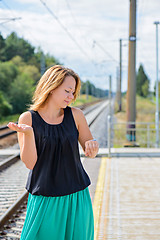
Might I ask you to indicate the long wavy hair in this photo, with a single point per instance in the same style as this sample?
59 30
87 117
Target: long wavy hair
49 81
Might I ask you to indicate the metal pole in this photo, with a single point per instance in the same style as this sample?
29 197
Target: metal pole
109 136
109 117
86 90
148 135
110 93
42 63
131 92
120 75
157 90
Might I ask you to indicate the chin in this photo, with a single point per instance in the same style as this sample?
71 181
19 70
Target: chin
67 103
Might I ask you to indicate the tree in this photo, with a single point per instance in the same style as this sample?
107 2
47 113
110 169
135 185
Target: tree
48 60
18 46
18 61
21 92
158 89
2 47
8 72
5 107
32 71
142 82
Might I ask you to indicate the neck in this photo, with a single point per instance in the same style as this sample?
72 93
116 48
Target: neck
51 111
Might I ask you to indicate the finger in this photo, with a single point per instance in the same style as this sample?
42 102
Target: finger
15 127
93 148
12 125
95 145
89 148
86 150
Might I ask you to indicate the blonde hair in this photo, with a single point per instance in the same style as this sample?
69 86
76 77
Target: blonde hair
50 80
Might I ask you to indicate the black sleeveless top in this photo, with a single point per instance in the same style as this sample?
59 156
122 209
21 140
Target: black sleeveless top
58 170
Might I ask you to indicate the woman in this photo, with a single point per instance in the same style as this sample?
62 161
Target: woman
59 205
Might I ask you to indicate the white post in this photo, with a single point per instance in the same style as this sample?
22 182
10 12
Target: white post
157 90
148 135
109 136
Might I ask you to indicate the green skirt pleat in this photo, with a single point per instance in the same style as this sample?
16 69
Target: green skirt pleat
67 217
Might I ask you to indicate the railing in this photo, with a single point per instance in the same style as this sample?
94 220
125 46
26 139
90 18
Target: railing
143 132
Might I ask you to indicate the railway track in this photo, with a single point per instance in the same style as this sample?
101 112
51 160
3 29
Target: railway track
13 199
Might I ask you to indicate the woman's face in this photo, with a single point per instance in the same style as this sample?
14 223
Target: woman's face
64 94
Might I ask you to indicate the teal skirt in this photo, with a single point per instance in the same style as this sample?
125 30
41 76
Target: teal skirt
67 217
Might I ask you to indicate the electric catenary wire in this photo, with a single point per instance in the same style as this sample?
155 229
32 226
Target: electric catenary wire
64 28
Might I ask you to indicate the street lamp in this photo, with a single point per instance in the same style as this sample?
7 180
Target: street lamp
157 89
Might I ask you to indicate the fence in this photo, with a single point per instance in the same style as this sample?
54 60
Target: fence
144 133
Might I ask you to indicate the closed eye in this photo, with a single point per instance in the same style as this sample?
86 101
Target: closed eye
68 92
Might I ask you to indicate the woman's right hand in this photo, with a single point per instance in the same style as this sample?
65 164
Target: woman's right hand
20 127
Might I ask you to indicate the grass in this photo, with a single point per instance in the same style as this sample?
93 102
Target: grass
10 118
82 99
145 112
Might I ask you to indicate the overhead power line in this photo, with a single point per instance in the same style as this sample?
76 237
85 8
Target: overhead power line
23 28
100 46
5 20
65 29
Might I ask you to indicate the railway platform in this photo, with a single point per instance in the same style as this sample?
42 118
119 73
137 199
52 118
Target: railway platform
125 193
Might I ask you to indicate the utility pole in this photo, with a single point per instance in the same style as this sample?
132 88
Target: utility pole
131 92
157 89
109 116
87 90
119 94
117 78
42 63
110 93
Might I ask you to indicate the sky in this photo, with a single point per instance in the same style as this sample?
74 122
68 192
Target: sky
84 35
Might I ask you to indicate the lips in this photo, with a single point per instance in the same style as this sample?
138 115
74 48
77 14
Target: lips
67 102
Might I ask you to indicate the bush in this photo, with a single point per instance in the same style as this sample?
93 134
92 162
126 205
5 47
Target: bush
5 107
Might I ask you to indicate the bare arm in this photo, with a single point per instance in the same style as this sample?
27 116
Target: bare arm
26 139
89 146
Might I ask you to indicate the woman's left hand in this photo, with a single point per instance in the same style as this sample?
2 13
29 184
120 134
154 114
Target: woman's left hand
91 148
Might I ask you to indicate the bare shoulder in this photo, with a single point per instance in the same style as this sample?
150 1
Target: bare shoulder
79 117
78 113
25 118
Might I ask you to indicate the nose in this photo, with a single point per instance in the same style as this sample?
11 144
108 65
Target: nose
71 96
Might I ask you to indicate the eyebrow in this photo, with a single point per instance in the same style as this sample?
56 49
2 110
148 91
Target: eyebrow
71 88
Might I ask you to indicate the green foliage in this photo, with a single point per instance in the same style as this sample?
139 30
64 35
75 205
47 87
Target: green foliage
5 107
21 92
50 61
18 46
8 72
142 83
10 118
158 89
92 90
2 48
145 89
20 70
18 61
82 99
37 59
31 71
